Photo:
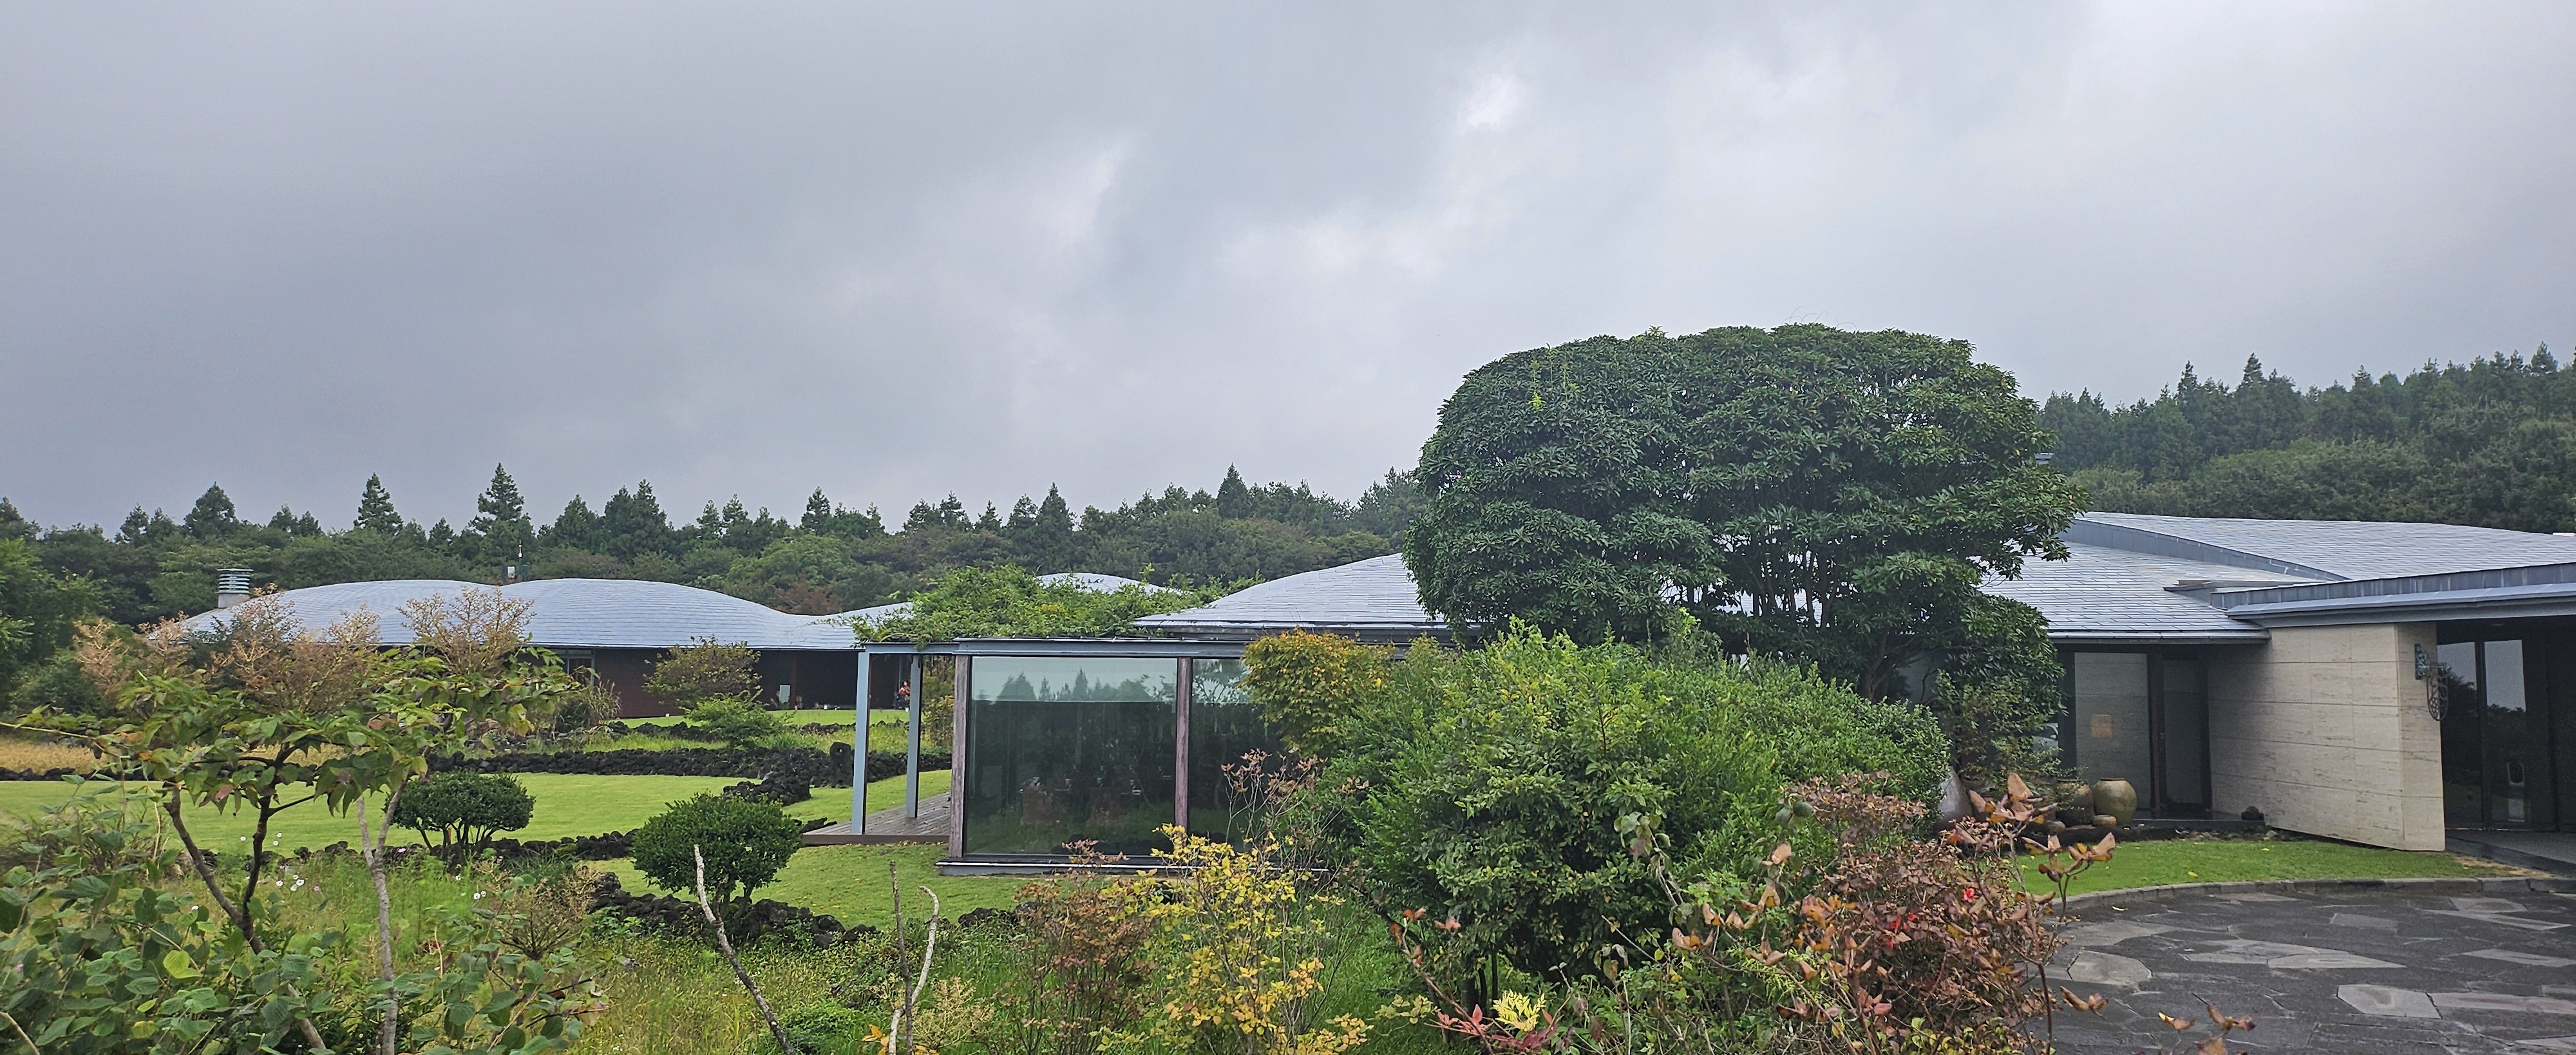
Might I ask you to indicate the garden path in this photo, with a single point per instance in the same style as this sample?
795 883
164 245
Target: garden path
2364 972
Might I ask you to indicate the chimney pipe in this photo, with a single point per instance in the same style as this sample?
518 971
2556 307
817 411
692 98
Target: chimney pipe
232 586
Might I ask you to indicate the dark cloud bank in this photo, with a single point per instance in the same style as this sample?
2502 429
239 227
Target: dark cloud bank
899 250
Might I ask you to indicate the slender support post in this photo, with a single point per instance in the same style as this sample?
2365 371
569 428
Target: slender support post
961 758
859 756
912 747
1181 747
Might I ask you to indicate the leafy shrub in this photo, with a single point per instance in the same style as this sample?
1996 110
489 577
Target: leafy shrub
1083 966
738 721
1307 684
1486 785
101 958
745 844
465 809
704 669
1244 955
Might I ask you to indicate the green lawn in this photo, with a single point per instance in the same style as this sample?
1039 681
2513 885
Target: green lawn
566 805
2171 861
849 882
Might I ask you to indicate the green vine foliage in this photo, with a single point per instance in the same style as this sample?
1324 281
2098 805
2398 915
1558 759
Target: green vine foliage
1009 602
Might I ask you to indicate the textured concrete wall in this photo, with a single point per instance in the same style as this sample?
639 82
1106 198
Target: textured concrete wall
2325 730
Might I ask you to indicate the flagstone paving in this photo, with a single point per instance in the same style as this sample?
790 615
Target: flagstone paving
2361 972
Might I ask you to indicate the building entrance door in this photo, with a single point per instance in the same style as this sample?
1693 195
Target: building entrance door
2142 717
2495 737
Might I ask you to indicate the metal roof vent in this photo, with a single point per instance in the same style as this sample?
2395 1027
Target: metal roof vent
232 586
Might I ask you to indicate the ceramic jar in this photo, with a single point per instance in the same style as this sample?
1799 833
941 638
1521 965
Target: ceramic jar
2114 798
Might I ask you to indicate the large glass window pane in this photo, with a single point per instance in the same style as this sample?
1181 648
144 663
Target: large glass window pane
2186 735
1068 749
2513 746
2110 712
1225 727
2463 761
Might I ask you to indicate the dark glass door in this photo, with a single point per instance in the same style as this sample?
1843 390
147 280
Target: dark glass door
2495 737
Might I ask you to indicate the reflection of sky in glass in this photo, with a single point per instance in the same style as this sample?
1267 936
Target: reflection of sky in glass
1073 679
1217 682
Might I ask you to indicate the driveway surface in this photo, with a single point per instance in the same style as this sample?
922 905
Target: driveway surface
2352 971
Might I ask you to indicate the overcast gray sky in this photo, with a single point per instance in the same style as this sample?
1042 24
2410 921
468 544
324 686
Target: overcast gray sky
898 250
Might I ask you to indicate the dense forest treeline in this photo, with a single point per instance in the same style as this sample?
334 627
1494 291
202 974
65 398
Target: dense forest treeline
829 559
2491 442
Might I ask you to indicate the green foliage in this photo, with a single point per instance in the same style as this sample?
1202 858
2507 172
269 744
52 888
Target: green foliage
1308 684
1009 602
102 958
1999 693
1487 783
703 670
1831 496
831 559
37 612
745 844
2502 430
465 808
737 721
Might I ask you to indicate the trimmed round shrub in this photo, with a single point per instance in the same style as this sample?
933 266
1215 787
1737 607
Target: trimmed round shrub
737 721
465 809
745 844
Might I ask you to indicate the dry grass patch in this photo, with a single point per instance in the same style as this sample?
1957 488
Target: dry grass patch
20 752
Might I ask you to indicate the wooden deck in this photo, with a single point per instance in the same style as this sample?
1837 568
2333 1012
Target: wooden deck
889 825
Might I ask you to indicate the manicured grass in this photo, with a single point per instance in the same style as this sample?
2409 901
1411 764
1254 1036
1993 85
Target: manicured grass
566 805
834 803
849 882
2171 861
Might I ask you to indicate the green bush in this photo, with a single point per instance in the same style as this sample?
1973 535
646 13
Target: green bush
745 844
103 956
737 721
465 809
1491 783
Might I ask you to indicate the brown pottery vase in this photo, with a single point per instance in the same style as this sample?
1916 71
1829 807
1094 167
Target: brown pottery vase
2115 798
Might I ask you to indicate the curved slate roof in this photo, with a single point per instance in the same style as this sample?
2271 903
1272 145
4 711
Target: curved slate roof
581 613
1373 599
2346 549
2101 594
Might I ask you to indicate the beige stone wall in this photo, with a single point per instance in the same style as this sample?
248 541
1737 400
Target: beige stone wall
2325 730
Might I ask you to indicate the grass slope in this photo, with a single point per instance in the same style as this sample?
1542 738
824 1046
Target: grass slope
2226 860
566 805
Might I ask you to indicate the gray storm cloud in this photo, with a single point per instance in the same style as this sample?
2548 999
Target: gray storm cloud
901 250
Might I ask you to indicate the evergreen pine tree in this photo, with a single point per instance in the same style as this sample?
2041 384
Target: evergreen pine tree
213 516
633 522
575 528
13 525
376 509
1233 497
818 513
501 520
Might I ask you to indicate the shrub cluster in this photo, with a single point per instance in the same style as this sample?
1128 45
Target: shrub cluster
1485 785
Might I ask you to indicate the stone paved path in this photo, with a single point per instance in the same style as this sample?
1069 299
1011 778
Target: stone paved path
2365 972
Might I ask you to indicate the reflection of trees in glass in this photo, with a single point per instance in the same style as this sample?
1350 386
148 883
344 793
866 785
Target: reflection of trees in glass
1019 689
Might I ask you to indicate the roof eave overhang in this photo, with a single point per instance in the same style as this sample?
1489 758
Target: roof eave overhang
2404 608
2247 636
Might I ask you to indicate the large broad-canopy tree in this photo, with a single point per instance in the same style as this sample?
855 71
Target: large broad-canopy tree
1827 495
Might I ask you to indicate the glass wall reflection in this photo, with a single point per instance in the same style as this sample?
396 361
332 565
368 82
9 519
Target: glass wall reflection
1066 749
1224 727
2110 711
